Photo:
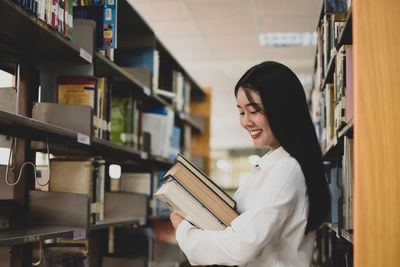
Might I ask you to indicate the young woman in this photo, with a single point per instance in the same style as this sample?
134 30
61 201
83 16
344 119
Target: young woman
286 197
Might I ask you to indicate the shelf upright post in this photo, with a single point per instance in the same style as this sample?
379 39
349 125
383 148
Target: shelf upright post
21 255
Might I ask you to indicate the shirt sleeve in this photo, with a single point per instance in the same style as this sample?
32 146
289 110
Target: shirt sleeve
253 230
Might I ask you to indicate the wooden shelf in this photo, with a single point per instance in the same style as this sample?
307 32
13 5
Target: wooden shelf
37 42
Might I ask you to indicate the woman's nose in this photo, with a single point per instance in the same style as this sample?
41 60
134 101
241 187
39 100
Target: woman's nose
247 121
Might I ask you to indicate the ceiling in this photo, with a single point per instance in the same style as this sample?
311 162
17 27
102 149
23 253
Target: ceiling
216 41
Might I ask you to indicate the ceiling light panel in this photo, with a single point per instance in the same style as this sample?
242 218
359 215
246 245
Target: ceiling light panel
273 39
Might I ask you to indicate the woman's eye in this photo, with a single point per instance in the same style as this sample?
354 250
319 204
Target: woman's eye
241 113
253 112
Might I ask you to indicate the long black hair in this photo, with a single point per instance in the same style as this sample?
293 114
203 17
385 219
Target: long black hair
286 108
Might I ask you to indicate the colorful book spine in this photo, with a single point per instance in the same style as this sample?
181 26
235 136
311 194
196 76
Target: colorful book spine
110 24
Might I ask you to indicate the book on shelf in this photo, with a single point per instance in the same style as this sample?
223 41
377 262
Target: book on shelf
119 113
335 6
334 175
175 147
101 116
125 120
333 107
181 88
349 83
329 110
66 255
188 189
159 123
77 90
145 58
348 183
187 88
137 182
177 88
110 25
68 17
80 176
92 12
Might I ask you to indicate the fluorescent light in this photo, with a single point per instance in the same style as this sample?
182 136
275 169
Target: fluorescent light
288 39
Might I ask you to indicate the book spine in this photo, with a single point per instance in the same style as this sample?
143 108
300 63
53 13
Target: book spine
212 182
201 204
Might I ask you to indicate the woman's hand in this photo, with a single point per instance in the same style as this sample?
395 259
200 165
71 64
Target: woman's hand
176 218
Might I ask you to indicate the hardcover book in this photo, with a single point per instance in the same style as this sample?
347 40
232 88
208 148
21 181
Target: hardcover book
188 189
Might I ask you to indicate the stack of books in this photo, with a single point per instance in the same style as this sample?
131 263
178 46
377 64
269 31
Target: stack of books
186 188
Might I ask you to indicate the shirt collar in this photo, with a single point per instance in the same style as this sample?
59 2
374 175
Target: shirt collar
271 156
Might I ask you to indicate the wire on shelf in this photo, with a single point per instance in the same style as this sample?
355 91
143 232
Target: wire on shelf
23 165
39 261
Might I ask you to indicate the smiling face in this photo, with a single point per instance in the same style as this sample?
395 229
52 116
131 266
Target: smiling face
254 120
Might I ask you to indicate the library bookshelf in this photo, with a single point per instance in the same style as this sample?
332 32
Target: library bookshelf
374 239
29 48
332 91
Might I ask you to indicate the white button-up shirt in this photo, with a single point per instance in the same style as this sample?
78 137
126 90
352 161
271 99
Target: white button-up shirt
270 229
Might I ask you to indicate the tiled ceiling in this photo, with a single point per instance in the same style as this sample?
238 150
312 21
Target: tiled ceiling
216 41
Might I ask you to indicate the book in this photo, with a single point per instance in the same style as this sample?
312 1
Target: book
110 24
348 183
159 123
147 59
349 83
175 197
187 182
77 90
335 6
96 13
136 182
205 179
66 255
334 175
80 176
175 147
